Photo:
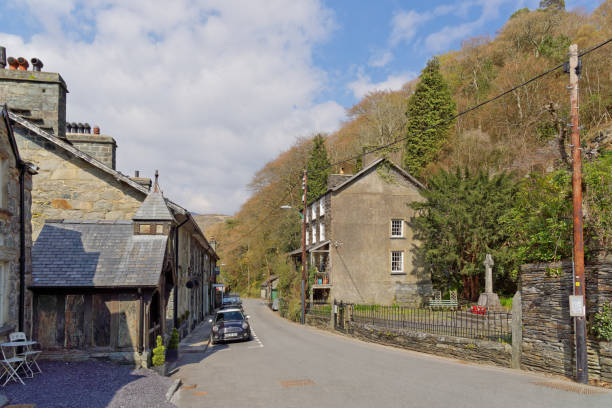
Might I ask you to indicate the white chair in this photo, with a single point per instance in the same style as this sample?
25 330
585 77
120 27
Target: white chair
11 364
28 353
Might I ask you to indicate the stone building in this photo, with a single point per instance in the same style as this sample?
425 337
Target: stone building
102 287
15 233
78 181
360 241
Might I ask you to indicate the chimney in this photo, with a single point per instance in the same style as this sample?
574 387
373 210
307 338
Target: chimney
36 64
86 128
143 181
23 64
136 173
79 127
96 130
2 57
13 64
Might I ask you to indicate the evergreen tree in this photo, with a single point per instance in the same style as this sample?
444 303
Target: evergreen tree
552 4
317 171
430 105
458 225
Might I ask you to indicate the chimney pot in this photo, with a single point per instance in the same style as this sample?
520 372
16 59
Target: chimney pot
96 130
23 64
13 63
68 127
36 64
86 128
2 57
79 127
137 173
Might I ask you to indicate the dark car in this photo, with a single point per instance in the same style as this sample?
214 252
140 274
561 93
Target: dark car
230 324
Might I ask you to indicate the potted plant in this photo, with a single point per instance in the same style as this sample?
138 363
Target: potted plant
159 357
173 346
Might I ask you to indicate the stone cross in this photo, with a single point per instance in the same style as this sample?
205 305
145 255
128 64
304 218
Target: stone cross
488 263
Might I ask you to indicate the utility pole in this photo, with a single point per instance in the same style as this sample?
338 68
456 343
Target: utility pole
582 374
305 189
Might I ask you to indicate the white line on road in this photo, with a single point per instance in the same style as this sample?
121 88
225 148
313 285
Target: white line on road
259 343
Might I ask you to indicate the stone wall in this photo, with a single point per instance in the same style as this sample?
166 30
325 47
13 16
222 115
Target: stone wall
68 187
548 339
100 147
38 96
10 227
449 346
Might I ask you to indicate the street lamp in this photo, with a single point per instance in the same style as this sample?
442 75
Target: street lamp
288 207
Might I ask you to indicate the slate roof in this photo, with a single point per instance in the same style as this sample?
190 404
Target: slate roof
96 254
153 208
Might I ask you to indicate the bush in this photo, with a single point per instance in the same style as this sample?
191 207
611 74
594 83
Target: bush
159 353
174 340
602 324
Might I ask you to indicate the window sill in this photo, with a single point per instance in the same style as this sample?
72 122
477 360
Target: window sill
398 237
398 273
4 330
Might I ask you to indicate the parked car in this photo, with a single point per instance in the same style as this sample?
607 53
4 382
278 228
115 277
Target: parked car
230 324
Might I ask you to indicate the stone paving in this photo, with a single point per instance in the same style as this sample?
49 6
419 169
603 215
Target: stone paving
90 384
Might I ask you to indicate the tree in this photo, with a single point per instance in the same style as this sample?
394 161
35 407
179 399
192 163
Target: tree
552 4
429 106
317 168
458 225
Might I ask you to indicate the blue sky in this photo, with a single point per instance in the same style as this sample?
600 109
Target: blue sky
208 91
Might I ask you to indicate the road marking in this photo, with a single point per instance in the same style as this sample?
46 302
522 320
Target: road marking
297 383
188 387
256 339
200 393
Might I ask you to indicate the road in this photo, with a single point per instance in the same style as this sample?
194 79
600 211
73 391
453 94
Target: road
289 365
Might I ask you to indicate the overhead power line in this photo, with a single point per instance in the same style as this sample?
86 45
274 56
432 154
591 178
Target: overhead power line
465 112
462 113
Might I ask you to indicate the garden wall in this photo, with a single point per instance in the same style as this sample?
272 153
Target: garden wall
548 339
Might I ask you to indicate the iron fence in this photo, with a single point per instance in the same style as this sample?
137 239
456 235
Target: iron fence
492 326
321 310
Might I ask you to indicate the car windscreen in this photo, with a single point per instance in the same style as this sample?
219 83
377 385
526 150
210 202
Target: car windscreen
230 300
234 315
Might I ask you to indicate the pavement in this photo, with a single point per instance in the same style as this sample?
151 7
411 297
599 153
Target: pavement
288 365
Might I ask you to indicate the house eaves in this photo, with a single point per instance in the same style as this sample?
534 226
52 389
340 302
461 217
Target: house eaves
87 158
372 165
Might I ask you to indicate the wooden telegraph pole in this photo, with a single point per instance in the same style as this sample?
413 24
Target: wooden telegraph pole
305 189
578 299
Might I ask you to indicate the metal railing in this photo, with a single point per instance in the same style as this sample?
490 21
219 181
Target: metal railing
492 326
321 310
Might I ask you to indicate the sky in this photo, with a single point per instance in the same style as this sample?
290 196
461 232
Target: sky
209 91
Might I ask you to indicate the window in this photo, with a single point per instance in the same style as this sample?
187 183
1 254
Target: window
3 182
321 232
313 213
397 261
3 294
307 237
397 228
314 234
321 207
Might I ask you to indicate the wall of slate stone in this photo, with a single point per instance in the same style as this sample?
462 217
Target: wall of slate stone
548 339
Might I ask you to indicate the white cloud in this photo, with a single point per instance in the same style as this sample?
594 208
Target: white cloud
405 25
205 91
363 84
380 59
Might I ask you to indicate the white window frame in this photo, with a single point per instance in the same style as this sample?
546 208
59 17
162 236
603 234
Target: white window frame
401 221
307 236
3 182
3 293
314 234
321 207
313 212
401 262
321 232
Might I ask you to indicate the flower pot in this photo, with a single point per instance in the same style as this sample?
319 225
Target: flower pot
172 354
161 370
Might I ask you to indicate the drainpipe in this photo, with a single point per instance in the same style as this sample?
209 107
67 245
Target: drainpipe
176 249
141 325
22 259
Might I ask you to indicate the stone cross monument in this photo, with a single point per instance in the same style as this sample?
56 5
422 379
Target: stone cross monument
489 299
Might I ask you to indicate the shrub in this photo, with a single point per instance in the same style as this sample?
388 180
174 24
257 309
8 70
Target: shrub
159 356
174 340
602 324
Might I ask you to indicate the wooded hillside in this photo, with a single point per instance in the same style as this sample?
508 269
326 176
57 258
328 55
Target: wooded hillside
525 132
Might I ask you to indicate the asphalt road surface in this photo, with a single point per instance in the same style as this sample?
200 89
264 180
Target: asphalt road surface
288 365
